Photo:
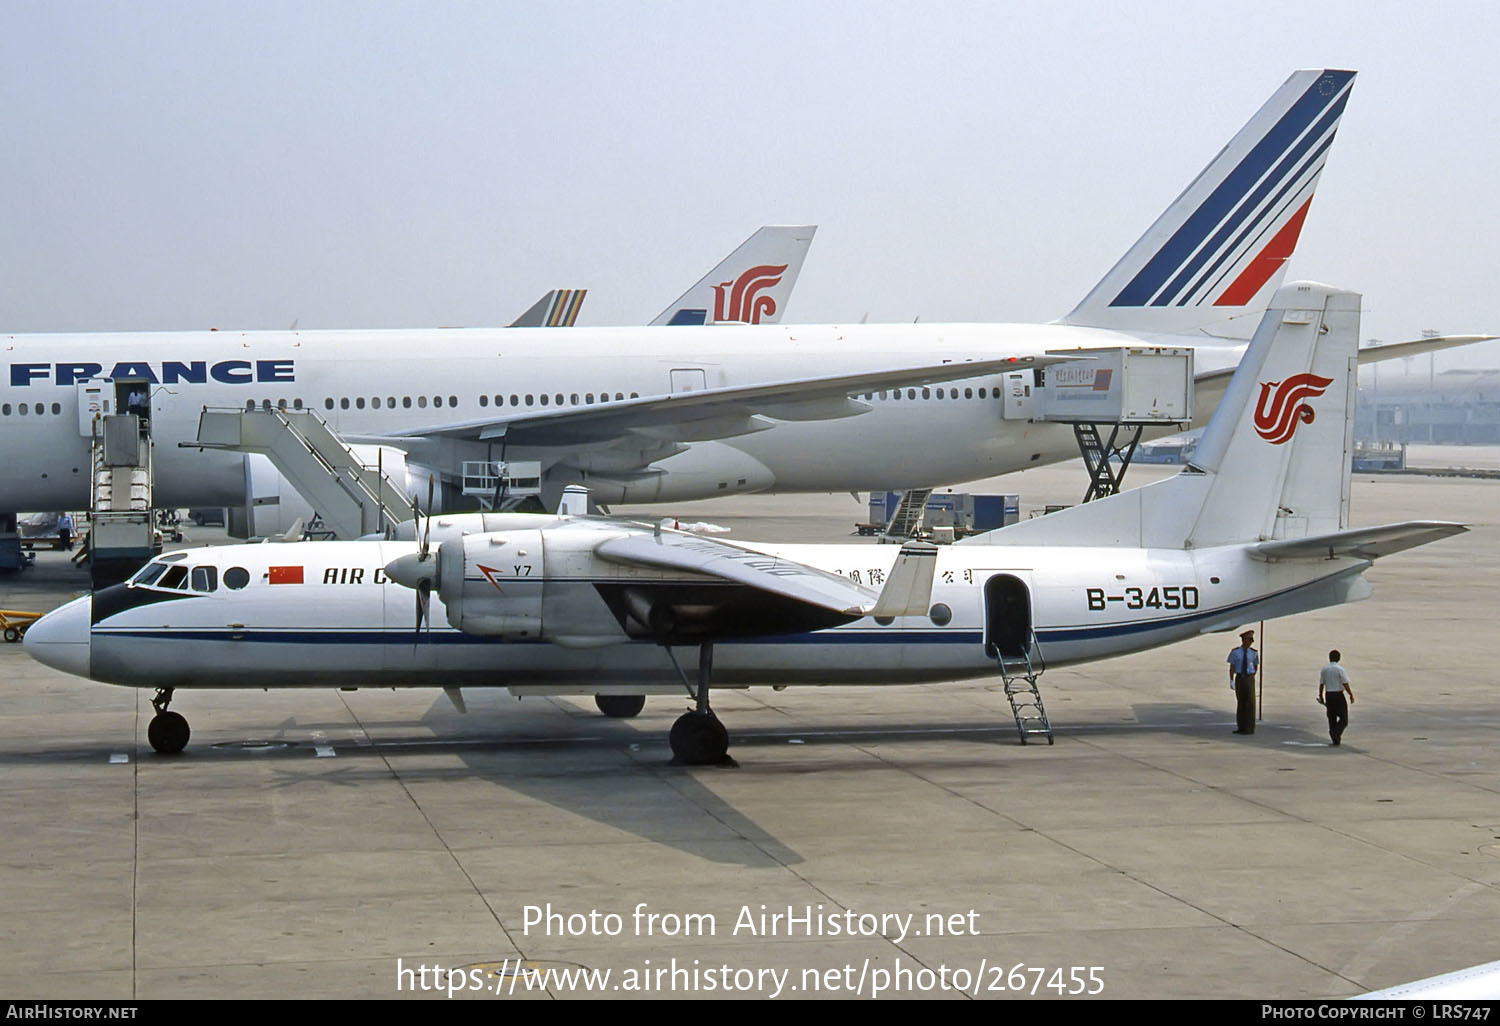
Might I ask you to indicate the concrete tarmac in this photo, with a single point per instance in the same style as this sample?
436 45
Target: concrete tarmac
337 844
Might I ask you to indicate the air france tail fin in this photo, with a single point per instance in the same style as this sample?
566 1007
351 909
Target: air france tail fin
1274 461
1212 261
751 285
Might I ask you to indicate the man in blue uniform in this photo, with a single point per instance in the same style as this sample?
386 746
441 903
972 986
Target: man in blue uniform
1243 662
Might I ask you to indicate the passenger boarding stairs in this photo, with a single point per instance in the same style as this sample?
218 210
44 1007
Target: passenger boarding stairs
910 512
1019 672
352 499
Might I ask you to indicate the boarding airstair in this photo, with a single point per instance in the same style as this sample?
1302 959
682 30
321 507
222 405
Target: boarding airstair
1019 672
352 499
906 521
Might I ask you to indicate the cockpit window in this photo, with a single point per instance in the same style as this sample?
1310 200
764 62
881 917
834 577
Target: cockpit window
175 577
205 578
150 572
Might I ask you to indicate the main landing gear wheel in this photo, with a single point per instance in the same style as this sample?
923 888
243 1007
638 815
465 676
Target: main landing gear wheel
168 731
12 635
620 706
699 739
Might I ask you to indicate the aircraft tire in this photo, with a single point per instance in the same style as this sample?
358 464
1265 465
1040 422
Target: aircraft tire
620 706
699 740
12 635
168 732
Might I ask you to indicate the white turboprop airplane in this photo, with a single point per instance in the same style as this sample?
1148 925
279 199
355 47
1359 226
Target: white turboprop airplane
582 605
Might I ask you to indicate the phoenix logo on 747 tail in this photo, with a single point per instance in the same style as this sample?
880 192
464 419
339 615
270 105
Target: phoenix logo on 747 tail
1277 421
745 304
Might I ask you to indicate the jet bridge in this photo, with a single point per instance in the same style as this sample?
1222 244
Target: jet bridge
1125 390
351 498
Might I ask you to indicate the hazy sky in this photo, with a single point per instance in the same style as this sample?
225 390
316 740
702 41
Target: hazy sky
385 164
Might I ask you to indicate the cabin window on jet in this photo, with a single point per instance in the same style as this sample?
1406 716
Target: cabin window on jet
296 404
573 399
205 578
359 403
545 398
619 397
56 408
422 401
981 393
635 395
968 393
327 404
390 401
926 393
940 393
22 408
559 400
437 400
344 403
911 393
236 577
453 401
375 403
588 398
484 400
528 399
406 402
515 400
5 409
281 404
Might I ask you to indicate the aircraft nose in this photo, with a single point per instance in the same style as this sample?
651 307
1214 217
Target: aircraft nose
61 638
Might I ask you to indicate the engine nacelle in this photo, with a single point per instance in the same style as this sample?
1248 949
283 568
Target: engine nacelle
531 584
494 585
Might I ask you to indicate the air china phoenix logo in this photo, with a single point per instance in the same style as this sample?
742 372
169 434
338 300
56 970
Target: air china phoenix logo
740 300
1280 408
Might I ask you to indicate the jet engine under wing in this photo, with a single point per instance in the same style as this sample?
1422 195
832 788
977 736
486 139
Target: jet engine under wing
1362 542
716 412
908 588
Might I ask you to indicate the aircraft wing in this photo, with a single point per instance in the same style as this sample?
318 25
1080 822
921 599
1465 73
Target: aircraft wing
906 590
715 412
1363 542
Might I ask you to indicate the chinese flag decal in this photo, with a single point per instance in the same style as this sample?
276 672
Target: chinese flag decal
286 575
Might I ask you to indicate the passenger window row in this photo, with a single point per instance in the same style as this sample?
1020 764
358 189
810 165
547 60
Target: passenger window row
24 409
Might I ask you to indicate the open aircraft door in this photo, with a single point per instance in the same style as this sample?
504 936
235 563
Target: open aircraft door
1007 617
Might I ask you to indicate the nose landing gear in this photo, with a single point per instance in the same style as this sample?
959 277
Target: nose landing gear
168 732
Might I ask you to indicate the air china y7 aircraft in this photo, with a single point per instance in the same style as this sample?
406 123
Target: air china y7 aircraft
656 414
562 604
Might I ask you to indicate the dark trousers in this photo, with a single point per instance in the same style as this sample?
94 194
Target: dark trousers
1338 714
1244 696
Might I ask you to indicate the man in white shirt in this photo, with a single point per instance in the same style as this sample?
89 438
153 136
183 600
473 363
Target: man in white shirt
1333 684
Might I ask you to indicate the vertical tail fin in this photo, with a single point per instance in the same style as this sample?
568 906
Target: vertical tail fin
557 309
751 285
1212 261
1274 460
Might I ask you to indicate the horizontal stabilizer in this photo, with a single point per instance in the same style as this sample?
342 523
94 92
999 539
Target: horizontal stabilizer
1363 542
1417 347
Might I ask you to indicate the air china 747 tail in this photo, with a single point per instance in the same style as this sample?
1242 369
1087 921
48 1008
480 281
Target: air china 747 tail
1256 528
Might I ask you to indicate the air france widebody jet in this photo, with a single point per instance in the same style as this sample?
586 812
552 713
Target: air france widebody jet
565 604
665 414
